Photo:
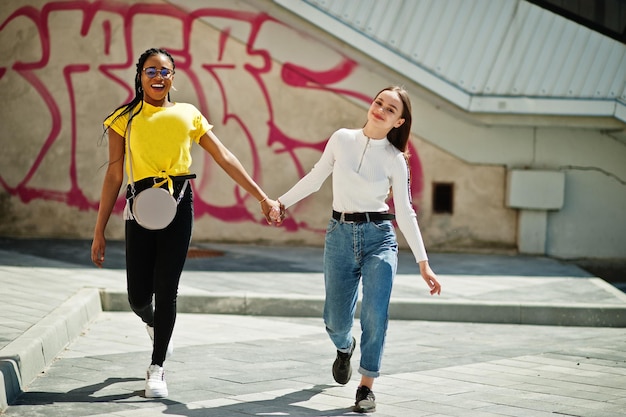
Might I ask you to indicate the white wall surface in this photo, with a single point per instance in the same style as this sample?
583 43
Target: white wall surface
592 222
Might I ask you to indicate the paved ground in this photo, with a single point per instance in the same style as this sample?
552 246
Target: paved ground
470 352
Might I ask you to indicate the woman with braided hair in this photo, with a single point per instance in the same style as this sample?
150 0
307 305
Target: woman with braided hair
160 145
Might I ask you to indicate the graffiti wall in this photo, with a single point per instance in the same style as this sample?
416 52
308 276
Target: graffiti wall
274 92
66 64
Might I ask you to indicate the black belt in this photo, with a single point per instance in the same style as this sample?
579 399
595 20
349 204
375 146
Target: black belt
362 217
149 182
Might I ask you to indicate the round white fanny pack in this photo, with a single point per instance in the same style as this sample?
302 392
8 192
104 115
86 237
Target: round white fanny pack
154 208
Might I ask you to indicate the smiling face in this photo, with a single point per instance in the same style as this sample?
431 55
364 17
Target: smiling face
155 89
385 112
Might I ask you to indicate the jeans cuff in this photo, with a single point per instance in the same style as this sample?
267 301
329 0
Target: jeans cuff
370 374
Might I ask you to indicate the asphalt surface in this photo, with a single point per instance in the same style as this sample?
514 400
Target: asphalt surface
509 336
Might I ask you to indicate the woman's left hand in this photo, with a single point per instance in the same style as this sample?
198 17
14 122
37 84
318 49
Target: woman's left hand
266 207
431 279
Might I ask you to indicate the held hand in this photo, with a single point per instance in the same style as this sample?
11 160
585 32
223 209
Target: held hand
431 279
278 214
267 206
97 250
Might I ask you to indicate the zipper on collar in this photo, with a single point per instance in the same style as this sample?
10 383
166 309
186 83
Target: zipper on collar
363 154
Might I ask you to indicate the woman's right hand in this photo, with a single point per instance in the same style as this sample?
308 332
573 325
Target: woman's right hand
97 250
277 214
110 190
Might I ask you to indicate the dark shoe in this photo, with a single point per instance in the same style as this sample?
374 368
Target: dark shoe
341 367
365 400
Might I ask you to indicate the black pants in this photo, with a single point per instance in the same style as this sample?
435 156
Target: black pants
154 263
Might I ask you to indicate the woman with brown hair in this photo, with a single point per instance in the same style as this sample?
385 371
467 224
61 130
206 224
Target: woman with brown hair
360 244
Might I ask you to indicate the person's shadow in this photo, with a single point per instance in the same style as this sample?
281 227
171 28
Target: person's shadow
78 395
285 405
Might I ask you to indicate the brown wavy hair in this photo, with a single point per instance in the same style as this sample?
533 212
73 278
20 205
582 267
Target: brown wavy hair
399 136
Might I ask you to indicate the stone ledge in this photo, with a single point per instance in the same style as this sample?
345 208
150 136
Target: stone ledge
28 355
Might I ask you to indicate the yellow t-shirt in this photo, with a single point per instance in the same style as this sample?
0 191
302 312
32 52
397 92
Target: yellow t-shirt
161 139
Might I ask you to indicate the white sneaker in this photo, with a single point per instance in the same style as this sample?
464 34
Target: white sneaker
170 345
156 387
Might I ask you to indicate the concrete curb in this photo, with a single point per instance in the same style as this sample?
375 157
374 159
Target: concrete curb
24 358
574 314
278 305
28 355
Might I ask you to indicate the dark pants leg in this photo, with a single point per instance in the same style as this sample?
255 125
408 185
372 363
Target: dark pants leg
154 263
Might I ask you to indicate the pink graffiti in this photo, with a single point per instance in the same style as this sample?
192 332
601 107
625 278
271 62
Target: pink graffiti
293 75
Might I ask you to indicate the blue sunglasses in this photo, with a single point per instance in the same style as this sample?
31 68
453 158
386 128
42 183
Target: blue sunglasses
152 72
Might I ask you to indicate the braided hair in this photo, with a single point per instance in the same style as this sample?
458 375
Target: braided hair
137 101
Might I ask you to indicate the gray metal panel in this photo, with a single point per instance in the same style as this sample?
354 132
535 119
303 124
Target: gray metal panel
498 48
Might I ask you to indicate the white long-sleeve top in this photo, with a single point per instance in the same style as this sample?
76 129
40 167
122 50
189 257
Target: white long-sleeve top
363 171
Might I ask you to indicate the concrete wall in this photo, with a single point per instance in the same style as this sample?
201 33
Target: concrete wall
275 89
592 221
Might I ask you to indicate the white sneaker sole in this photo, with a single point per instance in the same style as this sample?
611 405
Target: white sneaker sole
156 392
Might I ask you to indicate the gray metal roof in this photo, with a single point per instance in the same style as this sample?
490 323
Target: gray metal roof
485 56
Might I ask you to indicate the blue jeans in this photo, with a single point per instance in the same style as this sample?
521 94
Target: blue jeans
355 251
